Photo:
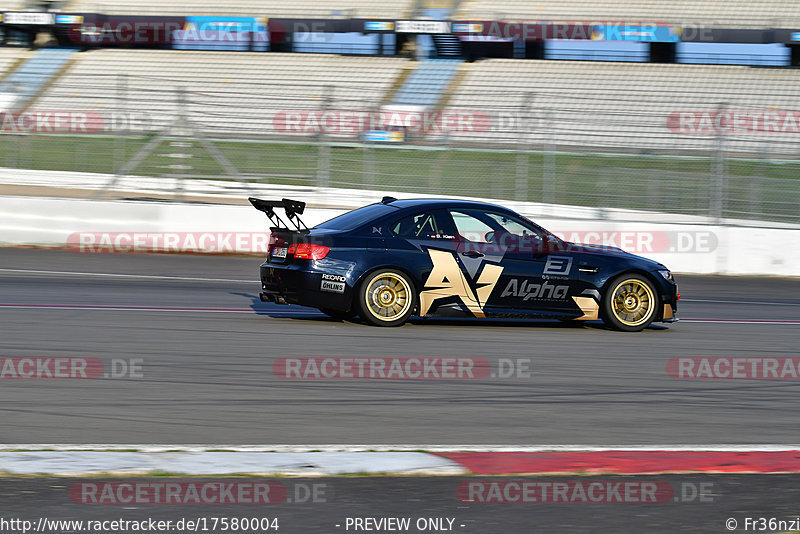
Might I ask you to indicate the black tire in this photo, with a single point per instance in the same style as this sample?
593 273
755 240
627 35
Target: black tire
338 315
630 303
386 297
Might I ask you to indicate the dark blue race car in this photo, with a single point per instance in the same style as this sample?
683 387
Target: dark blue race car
388 261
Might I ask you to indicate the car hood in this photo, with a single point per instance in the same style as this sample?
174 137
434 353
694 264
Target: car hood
612 251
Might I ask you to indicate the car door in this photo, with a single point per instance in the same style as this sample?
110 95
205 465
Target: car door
425 244
525 278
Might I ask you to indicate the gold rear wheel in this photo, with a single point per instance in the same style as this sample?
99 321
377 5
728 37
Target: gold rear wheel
386 298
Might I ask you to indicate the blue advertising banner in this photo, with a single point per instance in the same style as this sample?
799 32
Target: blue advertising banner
647 33
222 33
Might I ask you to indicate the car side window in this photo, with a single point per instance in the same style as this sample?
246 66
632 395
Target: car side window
425 225
470 228
476 226
514 226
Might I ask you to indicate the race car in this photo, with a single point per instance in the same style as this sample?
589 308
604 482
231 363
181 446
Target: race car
395 259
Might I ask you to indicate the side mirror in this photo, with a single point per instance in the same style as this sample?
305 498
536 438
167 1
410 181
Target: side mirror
551 244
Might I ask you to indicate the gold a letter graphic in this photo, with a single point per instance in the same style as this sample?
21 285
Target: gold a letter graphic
447 280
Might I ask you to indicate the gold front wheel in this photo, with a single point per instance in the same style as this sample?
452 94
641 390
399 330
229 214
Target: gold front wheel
631 303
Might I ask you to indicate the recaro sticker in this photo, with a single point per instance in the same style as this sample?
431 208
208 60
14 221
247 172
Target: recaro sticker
333 283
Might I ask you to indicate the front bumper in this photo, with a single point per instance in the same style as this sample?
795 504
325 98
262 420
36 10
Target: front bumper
670 298
669 314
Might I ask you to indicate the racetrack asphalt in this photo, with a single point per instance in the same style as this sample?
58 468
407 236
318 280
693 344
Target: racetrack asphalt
697 503
206 346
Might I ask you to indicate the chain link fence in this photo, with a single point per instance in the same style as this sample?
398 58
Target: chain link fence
724 160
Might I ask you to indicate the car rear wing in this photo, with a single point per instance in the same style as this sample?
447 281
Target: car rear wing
292 208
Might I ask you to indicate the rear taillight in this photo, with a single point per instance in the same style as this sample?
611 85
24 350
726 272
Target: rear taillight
308 251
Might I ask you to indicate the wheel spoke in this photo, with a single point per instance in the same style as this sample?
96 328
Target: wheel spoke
387 296
633 302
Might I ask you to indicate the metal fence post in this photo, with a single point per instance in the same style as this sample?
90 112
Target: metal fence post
549 160
523 150
120 137
324 148
720 174
368 166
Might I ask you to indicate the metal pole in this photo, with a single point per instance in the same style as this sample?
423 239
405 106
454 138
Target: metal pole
120 138
720 174
523 149
182 130
324 159
549 160
369 167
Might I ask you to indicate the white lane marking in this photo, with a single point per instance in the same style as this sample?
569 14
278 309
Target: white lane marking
394 447
142 276
278 312
756 302
100 307
786 322
255 280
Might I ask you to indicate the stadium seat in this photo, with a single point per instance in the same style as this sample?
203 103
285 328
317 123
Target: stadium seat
252 8
9 57
12 5
226 93
610 106
719 13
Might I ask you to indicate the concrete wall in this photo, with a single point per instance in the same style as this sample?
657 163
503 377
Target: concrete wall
92 225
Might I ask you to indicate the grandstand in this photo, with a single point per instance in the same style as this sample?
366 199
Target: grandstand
227 93
591 105
12 5
551 130
610 106
252 8
8 58
707 13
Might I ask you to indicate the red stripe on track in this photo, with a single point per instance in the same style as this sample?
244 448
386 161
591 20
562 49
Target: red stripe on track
627 462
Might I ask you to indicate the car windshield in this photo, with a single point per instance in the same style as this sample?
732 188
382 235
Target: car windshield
353 219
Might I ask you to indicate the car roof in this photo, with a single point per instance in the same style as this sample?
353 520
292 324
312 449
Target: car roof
444 203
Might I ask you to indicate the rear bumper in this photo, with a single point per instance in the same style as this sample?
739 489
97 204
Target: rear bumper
308 284
272 296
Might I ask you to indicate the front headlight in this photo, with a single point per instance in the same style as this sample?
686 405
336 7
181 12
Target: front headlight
666 274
